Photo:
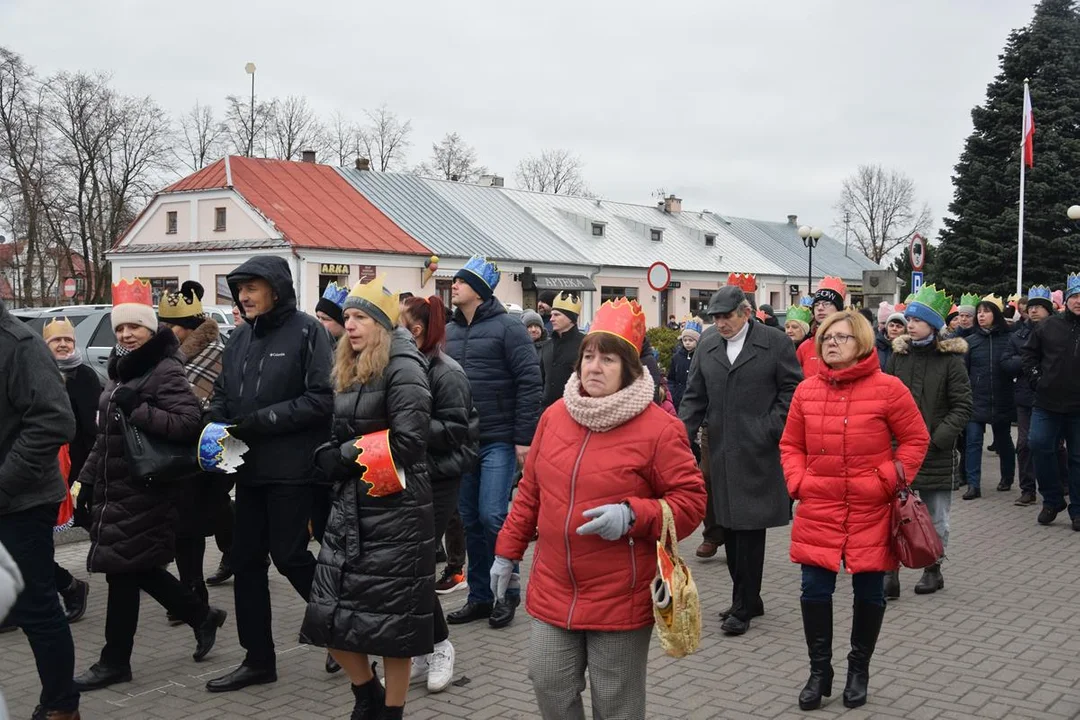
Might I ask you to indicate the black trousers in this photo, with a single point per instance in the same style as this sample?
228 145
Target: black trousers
745 551
713 532
320 511
63 577
28 536
191 547
269 519
444 501
122 613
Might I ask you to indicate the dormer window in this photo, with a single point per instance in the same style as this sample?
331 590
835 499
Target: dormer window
598 229
656 235
710 241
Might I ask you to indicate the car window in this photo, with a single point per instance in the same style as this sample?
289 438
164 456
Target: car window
219 317
104 335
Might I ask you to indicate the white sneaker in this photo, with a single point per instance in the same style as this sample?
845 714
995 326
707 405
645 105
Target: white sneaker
419 671
441 667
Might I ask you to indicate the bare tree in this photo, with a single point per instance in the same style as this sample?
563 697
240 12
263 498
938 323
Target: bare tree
452 159
294 128
554 171
883 209
342 141
246 128
384 139
201 137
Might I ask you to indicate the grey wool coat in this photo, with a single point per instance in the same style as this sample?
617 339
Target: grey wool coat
745 405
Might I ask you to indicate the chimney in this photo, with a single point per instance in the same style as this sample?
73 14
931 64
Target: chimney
491 181
307 156
792 219
672 205
362 163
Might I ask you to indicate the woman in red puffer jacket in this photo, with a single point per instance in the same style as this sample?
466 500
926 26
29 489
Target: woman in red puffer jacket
601 459
841 467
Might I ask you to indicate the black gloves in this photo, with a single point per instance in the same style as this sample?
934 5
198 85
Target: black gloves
83 506
328 459
125 398
242 428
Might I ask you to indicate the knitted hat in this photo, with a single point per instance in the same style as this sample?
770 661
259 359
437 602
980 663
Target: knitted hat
376 301
692 329
896 317
133 305
884 310
931 306
967 304
547 297
479 274
531 317
832 290
331 302
59 328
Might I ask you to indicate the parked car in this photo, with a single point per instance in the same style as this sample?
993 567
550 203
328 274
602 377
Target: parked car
93 330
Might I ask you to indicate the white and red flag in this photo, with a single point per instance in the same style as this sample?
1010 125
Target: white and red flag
1029 130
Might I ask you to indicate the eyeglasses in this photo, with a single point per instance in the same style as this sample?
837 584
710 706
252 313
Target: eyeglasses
838 338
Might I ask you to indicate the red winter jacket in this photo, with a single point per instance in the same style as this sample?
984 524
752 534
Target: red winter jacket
808 357
838 457
583 582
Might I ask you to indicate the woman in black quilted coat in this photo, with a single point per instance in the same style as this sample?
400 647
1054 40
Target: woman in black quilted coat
131 533
374 588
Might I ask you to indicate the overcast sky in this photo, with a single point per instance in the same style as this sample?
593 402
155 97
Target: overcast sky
756 109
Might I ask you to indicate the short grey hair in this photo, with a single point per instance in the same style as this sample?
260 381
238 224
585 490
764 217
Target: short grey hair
745 305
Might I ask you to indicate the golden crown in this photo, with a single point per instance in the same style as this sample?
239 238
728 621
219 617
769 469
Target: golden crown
375 299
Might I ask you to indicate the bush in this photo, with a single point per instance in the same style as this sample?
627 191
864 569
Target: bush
665 340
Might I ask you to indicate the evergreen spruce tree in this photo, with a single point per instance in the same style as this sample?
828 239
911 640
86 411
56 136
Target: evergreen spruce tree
978 245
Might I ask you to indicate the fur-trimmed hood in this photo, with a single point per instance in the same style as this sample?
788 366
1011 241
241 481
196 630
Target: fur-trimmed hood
200 338
161 345
945 346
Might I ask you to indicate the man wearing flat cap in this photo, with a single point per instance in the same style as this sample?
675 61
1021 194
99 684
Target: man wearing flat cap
741 382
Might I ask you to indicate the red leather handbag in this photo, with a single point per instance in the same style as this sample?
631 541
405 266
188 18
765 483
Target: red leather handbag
914 539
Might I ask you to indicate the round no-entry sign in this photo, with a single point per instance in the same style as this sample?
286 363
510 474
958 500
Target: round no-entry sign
69 288
659 276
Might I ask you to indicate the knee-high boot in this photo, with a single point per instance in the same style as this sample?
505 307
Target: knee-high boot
865 627
817 618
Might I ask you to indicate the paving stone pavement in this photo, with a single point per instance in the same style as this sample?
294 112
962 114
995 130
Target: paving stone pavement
1001 641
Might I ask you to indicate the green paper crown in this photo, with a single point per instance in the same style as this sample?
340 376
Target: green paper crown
934 299
910 298
797 312
969 299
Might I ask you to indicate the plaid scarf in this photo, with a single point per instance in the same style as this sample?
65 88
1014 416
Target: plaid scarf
203 350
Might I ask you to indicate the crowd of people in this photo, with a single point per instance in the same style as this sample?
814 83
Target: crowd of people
395 432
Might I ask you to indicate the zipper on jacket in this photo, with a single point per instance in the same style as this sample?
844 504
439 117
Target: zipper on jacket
258 378
633 566
566 528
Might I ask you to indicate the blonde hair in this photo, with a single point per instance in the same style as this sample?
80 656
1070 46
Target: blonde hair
356 368
860 330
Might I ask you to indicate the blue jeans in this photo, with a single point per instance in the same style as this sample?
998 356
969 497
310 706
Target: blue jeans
28 536
818 585
938 504
1047 431
1006 451
485 497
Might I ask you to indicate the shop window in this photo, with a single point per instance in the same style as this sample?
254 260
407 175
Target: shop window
699 301
611 292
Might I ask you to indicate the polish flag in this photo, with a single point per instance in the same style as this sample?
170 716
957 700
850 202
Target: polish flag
1029 130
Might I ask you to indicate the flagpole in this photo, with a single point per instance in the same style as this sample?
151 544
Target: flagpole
1020 230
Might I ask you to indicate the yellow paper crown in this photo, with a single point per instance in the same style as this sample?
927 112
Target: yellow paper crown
176 305
60 327
375 299
994 300
570 302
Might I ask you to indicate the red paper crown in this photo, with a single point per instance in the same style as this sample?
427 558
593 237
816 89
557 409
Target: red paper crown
833 283
622 318
135 291
381 475
760 315
745 282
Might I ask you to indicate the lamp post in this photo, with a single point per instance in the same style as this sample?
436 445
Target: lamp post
810 237
250 70
1074 214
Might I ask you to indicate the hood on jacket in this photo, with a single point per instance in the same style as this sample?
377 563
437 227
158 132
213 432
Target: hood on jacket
272 269
142 360
867 366
945 346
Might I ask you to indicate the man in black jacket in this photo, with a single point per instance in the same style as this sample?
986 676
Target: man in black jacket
1050 359
497 355
558 356
275 388
35 421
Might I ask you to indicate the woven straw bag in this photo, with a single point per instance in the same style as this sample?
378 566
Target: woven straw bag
676 606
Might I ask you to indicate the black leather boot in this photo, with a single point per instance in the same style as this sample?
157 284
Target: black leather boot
931 580
75 600
892 585
817 622
370 698
396 712
101 675
865 627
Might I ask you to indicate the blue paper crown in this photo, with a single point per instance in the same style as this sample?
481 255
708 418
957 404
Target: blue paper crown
692 325
806 301
486 271
335 293
1072 285
1040 292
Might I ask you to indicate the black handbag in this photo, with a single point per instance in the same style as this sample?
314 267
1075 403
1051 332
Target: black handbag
155 459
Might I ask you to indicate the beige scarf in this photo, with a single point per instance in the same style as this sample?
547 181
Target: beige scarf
601 414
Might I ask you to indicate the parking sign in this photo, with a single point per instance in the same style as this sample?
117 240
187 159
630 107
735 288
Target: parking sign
916 281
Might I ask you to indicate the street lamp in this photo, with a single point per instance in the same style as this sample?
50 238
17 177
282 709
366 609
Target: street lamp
810 237
1074 214
250 70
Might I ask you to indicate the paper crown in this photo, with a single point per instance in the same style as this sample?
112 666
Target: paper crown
1013 299
379 472
622 318
692 325
59 327
1072 285
968 300
899 307
177 305
336 293
933 299
832 289
806 301
375 299
571 302
488 272
953 310
800 313
994 300
1039 292
135 291
746 282
219 451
